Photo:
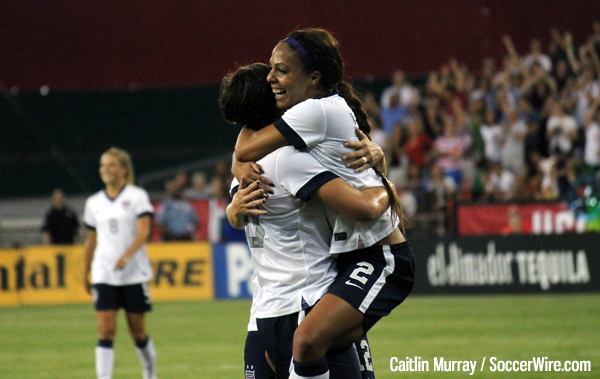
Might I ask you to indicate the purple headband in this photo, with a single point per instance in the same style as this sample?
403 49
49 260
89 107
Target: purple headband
307 58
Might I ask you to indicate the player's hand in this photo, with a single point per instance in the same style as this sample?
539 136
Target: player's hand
247 200
122 262
366 155
250 172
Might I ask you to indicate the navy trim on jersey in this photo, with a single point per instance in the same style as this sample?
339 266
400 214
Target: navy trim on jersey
116 197
316 182
89 227
332 93
290 134
234 190
148 213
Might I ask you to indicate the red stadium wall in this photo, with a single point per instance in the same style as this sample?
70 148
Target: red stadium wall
70 44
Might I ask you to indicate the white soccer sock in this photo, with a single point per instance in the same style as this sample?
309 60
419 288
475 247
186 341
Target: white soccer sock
105 360
147 355
313 370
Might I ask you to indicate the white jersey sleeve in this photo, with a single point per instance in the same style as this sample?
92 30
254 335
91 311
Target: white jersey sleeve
142 205
88 214
300 174
304 125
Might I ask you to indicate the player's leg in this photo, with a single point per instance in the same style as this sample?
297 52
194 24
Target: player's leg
343 363
255 361
331 323
277 334
370 284
106 314
137 302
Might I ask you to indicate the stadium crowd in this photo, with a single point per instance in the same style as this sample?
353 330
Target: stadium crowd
527 129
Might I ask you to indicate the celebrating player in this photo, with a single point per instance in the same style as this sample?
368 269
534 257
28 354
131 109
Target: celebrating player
118 225
290 237
375 261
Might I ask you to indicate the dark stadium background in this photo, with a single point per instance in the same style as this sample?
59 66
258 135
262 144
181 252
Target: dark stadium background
78 77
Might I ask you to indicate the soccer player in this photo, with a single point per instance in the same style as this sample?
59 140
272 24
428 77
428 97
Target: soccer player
118 225
375 261
290 237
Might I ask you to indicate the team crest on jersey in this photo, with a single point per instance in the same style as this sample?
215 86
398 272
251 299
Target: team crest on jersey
250 372
126 204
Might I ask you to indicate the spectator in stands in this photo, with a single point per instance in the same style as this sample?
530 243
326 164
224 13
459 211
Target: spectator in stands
539 86
592 138
492 134
533 146
499 183
407 95
417 144
561 130
61 226
565 177
438 188
199 189
513 148
182 180
177 219
394 115
221 179
587 89
450 149
537 55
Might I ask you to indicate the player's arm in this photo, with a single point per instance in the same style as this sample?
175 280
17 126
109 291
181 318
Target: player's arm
143 232
244 203
253 145
89 246
358 205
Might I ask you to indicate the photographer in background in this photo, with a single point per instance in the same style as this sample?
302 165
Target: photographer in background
61 226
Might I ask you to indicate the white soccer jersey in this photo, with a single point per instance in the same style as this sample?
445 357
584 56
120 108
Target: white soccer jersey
115 223
290 244
320 127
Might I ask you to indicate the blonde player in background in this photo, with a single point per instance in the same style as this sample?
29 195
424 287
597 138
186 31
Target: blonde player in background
118 221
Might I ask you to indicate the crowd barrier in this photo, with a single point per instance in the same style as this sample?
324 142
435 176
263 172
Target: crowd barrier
201 271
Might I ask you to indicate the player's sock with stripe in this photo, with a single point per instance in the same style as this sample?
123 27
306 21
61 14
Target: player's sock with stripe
318 369
344 363
105 359
147 354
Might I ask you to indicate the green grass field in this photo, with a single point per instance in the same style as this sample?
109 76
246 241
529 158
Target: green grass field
205 339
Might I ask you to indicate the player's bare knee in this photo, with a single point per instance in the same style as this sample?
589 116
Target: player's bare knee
138 335
107 334
307 346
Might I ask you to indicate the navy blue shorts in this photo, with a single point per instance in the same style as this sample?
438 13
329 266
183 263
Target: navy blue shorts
375 280
255 362
276 336
134 298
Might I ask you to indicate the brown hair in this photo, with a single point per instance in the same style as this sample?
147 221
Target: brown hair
246 98
324 54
